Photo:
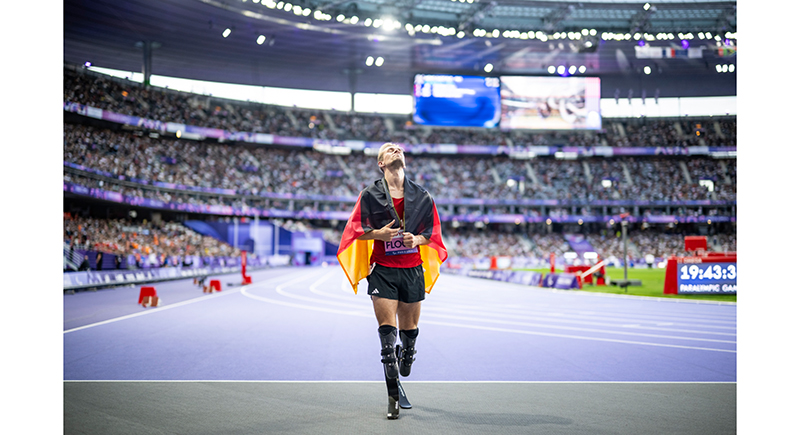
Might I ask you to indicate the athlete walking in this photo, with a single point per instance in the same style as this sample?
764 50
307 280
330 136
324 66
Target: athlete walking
393 238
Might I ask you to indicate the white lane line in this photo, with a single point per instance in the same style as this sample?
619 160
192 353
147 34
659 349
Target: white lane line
574 328
483 319
358 313
479 315
560 318
654 318
339 295
581 293
361 313
280 290
627 317
170 306
239 381
577 337
154 310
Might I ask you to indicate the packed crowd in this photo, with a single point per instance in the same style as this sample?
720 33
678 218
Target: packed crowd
150 244
164 105
250 171
476 245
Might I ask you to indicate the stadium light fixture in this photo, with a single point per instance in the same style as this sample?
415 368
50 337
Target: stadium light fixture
488 68
582 69
561 69
731 67
87 64
647 70
379 62
551 69
226 32
370 60
261 39
646 6
353 20
572 69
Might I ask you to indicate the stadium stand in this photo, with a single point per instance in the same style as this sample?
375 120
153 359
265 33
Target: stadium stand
137 163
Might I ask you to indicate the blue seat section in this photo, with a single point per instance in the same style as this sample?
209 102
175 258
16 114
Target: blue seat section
208 229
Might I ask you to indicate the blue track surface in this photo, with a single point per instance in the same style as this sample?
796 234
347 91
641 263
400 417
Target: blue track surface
304 324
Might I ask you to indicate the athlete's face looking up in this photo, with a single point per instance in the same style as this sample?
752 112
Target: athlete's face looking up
393 158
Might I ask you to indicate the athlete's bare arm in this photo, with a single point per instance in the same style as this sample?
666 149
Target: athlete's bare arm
412 241
386 233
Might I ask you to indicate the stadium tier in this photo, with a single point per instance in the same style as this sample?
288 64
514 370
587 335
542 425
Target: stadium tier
497 200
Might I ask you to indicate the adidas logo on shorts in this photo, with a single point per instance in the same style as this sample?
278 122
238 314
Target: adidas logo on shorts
374 292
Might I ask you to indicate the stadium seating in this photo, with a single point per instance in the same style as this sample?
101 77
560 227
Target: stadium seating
139 164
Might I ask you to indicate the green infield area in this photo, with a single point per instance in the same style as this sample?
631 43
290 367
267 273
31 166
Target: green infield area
652 284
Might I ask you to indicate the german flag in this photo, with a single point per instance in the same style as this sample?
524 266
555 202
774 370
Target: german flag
373 210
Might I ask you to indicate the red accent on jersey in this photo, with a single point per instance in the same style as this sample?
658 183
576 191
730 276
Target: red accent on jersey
379 250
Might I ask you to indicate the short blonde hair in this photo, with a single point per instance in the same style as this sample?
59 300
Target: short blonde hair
382 151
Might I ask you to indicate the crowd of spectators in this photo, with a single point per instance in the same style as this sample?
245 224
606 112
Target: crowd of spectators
165 105
476 245
250 171
149 244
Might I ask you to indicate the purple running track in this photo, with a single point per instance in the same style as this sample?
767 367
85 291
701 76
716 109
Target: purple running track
305 324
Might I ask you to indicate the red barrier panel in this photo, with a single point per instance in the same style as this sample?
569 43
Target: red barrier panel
146 292
671 277
695 243
579 271
214 284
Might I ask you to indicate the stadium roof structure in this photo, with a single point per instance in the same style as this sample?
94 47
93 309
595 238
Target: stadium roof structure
325 44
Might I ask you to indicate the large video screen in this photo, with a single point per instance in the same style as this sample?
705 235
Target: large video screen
550 103
456 101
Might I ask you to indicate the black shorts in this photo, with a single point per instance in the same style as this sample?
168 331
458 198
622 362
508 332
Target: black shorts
398 283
